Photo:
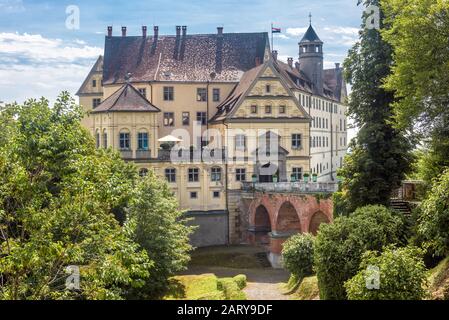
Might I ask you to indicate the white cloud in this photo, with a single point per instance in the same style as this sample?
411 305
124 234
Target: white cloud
295 32
281 36
11 6
35 66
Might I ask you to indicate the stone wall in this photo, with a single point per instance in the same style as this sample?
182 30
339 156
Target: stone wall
212 228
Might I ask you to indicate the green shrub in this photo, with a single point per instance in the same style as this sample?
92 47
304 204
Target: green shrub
433 220
240 280
339 246
402 276
230 289
297 255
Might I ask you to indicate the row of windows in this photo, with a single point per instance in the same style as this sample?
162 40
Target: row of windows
193 174
125 140
318 104
169 118
241 141
268 109
318 142
201 94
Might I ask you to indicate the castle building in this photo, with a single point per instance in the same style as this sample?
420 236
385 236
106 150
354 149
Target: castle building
217 115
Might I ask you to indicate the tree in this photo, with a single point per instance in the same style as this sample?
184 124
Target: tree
401 275
433 219
57 198
380 154
158 226
339 246
419 36
297 255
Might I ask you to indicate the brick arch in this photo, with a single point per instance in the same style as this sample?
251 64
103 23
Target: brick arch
287 218
316 220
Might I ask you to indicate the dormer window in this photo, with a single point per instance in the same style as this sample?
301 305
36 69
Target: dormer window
268 88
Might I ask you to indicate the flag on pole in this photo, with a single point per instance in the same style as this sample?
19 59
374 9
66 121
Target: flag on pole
275 30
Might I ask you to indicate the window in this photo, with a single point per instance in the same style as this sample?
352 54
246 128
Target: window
267 109
169 93
194 195
143 91
268 88
216 95
142 141
170 175
194 175
282 109
105 140
97 139
143 172
216 194
240 175
96 102
253 109
296 141
215 174
124 141
186 118
240 141
169 119
297 174
201 117
94 83
201 94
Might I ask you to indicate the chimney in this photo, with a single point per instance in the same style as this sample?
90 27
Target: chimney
109 31
144 31
178 31
156 32
275 55
290 62
337 66
184 31
220 30
297 66
123 31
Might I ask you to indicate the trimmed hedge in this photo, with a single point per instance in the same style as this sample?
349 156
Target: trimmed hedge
241 281
230 289
297 255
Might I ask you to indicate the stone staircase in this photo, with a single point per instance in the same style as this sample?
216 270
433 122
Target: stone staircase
401 206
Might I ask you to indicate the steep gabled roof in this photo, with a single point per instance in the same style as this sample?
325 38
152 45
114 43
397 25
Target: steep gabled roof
127 98
310 35
97 68
210 57
230 105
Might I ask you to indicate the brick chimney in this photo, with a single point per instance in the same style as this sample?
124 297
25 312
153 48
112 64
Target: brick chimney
123 31
109 31
156 32
220 31
184 31
144 31
178 31
290 62
337 66
275 55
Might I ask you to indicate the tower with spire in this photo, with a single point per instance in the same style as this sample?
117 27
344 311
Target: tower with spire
311 57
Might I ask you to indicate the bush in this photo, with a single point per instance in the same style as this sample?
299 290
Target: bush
297 255
240 280
402 276
339 246
230 289
433 220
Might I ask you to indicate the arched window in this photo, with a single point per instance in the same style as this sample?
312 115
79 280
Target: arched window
97 139
105 139
143 172
124 138
142 141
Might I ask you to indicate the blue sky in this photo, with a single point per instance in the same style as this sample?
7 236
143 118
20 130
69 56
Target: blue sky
39 56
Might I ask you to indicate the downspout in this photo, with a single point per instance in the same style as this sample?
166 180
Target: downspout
226 185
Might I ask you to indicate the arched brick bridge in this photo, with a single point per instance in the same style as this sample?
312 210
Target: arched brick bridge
274 217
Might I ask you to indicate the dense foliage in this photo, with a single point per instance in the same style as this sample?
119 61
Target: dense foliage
419 36
401 275
379 155
433 220
339 246
297 255
58 196
158 226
